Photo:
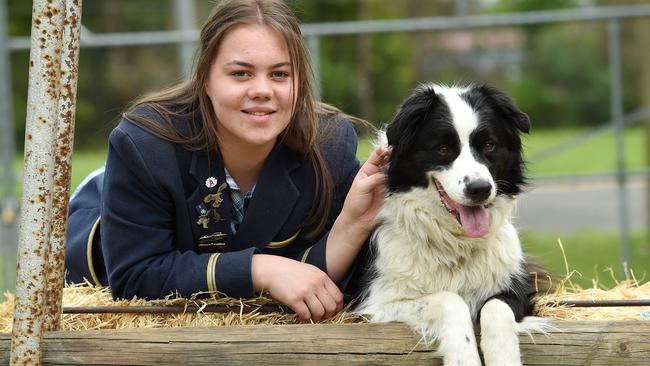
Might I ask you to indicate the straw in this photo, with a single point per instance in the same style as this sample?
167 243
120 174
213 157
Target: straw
211 309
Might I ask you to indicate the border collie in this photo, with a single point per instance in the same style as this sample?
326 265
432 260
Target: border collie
446 255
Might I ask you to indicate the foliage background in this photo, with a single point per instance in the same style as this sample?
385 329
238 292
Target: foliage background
558 68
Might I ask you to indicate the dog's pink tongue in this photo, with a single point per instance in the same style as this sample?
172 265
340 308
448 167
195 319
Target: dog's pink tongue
475 220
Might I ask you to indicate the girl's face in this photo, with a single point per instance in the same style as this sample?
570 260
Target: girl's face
251 86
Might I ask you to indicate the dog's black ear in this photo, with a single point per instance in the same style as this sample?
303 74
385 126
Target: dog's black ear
401 131
507 107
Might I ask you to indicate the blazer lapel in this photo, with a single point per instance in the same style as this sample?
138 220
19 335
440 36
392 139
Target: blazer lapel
210 203
273 200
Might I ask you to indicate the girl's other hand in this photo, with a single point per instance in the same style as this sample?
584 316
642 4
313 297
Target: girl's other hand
302 287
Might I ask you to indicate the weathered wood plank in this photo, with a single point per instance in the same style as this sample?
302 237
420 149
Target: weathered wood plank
5 348
574 343
591 343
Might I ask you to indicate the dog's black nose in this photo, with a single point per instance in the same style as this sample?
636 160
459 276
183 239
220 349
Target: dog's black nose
478 190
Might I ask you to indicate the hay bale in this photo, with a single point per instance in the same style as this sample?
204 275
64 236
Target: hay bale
91 296
244 312
565 290
545 305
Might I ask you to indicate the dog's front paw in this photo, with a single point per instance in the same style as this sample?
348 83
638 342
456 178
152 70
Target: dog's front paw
470 359
499 339
453 352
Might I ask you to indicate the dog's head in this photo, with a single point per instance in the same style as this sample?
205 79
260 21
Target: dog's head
464 144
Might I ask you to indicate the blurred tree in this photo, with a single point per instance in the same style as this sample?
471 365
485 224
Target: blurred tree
566 71
109 77
365 75
566 74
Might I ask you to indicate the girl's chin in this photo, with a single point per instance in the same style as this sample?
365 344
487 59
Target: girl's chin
261 141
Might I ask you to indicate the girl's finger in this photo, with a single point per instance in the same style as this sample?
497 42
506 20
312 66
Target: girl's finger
370 183
316 308
377 156
329 305
335 293
302 310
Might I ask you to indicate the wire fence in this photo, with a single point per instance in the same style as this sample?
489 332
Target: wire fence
186 37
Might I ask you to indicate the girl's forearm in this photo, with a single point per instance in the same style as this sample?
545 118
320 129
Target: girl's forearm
343 244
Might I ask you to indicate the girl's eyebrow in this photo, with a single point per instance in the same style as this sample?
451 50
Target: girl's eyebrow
248 65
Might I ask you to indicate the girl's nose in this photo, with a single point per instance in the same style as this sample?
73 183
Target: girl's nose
260 87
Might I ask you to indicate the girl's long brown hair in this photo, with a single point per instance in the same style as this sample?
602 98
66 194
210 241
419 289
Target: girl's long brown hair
189 101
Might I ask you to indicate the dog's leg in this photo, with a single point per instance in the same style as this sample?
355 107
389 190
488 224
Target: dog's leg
499 339
442 317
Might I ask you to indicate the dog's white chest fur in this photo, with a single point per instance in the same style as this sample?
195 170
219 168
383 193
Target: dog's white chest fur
418 254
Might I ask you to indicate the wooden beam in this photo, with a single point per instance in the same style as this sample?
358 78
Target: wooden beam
574 343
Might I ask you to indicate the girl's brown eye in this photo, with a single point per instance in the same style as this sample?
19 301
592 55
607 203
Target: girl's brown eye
444 150
488 147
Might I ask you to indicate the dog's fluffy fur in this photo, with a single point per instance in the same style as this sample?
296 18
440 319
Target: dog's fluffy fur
446 255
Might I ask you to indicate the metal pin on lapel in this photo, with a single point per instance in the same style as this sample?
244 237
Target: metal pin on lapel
211 182
204 213
215 198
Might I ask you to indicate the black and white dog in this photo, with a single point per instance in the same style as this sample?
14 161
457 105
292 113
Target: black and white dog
446 254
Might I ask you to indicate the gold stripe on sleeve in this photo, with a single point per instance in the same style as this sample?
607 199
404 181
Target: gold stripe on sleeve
304 256
89 253
211 272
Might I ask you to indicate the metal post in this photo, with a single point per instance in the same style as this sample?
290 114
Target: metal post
8 203
49 18
185 21
460 8
62 164
616 105
313 42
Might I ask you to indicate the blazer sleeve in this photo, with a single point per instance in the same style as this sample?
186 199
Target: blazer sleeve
339 150
138 230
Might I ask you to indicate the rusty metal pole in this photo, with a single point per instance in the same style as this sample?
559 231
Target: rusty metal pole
62 164
43 110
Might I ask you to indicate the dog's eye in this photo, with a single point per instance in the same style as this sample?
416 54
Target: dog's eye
488 147
444 150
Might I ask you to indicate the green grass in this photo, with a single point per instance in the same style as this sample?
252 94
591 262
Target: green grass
597 155
83 162
590 253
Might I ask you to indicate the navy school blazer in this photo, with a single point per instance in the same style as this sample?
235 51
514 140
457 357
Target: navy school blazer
163 216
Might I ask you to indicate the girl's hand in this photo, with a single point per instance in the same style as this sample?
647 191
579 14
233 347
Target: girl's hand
302 287
366 194
359 214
